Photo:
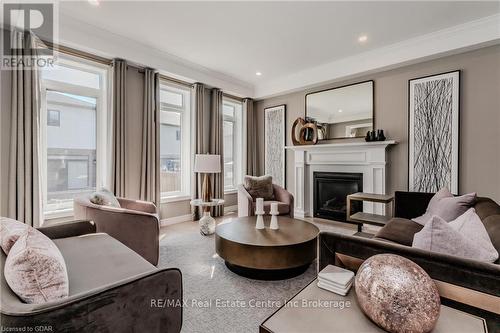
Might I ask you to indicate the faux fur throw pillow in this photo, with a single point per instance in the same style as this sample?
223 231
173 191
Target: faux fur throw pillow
446 206
259 187
104 197
35 269
10 231
464 237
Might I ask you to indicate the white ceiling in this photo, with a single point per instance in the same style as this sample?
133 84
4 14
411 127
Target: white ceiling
236 39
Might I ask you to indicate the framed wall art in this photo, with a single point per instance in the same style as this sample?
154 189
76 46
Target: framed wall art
274 143
433 132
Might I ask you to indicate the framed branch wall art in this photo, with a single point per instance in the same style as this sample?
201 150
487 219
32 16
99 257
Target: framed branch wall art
433 132
274 143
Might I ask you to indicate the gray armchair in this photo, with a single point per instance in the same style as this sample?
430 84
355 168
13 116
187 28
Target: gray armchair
111 289
135 224
246 204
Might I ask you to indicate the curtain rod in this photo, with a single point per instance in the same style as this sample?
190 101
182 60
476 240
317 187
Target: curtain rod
240 99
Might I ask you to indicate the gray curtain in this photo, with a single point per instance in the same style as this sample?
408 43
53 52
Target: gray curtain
118 140
150 156
25 186
200 140
217 146
252 145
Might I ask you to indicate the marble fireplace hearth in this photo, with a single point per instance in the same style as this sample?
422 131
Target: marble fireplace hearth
366 158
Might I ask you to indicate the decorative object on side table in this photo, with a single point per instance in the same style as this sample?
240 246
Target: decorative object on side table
259 211
433 132
335 279
274 143
207 222
397 294
274 216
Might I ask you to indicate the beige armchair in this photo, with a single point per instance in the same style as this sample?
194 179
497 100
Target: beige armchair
135 223
246 204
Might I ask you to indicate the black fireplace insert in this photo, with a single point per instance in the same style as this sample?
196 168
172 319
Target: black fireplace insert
330 191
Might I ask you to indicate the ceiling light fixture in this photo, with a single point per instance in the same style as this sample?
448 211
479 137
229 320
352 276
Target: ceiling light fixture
362 38
340 110
94 2
258 73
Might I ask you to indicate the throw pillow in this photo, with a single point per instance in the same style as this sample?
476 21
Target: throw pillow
259 187
104 197
446 206
35 269
464 237
10 231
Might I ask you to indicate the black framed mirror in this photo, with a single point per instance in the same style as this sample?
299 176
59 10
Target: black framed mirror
342 112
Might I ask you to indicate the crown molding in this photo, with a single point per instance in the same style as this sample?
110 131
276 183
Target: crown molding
457 39
92 39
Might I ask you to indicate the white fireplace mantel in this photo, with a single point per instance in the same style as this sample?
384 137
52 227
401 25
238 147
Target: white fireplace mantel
368 158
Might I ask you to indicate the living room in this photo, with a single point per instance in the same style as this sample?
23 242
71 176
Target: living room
250 166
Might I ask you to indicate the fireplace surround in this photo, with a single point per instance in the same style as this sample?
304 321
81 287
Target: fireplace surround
360 157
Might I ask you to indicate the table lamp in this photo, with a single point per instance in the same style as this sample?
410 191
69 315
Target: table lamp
207 164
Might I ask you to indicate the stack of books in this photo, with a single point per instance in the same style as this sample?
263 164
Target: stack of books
335 279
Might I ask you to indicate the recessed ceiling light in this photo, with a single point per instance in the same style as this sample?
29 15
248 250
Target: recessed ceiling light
258 73
94 2
362 38
340 110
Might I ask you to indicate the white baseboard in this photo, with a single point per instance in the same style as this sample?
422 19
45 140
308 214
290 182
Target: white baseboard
229 209
176 219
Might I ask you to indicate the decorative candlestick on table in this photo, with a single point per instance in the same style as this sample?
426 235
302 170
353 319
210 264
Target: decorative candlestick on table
259 211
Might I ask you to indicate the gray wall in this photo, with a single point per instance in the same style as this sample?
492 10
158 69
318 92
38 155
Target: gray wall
479 118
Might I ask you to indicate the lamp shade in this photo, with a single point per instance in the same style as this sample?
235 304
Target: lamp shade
207 163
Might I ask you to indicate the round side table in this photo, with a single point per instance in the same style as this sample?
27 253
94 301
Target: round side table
207 222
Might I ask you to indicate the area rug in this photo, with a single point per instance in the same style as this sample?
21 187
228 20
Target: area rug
218 300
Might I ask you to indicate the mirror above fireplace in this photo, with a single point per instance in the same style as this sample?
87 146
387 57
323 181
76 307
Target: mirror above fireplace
343 112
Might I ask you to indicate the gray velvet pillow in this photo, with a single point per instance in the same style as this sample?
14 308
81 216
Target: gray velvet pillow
259 187
446 206
464 237
10 231
35 269
104 197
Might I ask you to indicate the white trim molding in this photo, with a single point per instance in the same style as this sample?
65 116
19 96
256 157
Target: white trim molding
368 158
86 37
457 39
176 219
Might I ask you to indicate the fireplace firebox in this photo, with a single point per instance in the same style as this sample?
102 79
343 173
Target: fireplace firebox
330 190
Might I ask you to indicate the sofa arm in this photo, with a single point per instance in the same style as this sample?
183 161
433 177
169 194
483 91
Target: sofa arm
148 303
139 205
475 275
245 202
409 205
70 229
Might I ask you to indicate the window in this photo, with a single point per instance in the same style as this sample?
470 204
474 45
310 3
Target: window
175 143
73 142
234 151
53 118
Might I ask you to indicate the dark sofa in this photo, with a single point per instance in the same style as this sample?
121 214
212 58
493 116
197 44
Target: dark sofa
466 281
111 289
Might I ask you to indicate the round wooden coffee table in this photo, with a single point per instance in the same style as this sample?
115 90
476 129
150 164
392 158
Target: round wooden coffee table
266 254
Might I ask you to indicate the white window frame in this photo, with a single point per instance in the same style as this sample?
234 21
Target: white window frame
239 142
102 103
185 112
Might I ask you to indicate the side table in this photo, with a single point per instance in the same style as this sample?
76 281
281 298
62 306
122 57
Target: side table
207 222
361 217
